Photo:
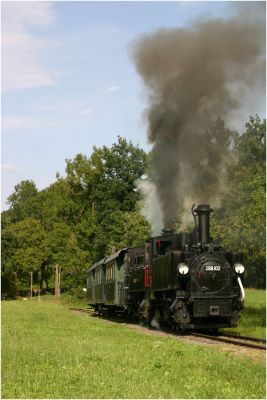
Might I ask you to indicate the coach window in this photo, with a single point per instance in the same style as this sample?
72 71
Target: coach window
98 276
112 271
109 273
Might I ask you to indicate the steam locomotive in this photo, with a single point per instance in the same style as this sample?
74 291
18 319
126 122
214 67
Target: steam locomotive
183 280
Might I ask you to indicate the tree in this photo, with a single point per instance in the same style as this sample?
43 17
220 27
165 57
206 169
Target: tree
240 222
251 146
56 204
65 251
107 179
22 201
123 165
103 190
25 249
77 219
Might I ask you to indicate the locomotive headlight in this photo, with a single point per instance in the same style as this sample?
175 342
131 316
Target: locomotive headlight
183 269
239 268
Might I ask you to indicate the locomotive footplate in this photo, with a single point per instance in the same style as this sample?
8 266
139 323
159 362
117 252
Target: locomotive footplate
212 307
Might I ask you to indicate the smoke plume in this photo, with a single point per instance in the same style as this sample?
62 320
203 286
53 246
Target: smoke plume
197 77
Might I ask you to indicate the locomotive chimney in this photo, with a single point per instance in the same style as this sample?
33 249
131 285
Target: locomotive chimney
203 212
167 231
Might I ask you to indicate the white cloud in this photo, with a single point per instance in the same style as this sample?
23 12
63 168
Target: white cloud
11 122
20 13
112 88
10 167
21 49
86 111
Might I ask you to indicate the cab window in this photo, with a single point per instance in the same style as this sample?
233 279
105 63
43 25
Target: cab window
163 247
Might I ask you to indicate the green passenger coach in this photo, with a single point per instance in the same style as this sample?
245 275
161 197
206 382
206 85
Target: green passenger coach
105 282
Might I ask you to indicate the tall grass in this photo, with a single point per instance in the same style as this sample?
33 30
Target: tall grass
50 352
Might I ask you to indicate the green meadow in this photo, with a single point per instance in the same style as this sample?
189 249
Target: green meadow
49 351
253 318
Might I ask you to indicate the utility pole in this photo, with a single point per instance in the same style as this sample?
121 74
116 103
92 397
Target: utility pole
31 284
57 282
59 273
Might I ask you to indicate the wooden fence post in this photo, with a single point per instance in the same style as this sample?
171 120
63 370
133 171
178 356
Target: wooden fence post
59 275
57 282
31 284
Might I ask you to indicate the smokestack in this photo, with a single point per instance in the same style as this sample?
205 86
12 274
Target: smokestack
203 212
167 231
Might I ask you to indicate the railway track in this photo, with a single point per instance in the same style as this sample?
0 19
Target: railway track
238 340
87 311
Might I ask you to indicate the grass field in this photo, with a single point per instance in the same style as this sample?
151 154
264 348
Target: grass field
253 318
51 352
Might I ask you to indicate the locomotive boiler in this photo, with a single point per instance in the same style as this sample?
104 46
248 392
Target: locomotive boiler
183 280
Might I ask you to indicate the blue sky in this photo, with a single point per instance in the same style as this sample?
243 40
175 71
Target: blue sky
68 81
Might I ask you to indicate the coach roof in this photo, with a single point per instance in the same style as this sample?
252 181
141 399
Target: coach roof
115 255
105 260
101 262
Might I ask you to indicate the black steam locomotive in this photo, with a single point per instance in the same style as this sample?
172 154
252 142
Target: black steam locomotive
184 280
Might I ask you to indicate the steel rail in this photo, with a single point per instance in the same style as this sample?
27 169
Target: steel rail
237 336
230 340
238 340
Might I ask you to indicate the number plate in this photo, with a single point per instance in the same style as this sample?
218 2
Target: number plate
212 268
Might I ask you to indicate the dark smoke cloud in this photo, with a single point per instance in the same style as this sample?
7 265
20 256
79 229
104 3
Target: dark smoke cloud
193 75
